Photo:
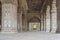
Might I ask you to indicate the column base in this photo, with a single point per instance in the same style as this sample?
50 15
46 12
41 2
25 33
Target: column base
8 31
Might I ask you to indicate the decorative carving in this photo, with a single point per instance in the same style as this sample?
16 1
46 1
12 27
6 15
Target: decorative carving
10 1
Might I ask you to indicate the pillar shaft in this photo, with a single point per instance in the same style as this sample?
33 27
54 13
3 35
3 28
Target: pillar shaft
9 17
42 26
25 22
48 19
44 22
21 22
54 17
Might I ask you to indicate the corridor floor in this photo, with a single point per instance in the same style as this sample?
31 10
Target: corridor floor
29 36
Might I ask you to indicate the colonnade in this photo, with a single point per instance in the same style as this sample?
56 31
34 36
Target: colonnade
9 17
50 24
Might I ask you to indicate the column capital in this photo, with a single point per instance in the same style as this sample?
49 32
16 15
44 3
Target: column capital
9 1
54 17
54 1
54 7
48 9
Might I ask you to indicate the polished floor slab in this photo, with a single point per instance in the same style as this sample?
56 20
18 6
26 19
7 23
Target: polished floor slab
29 36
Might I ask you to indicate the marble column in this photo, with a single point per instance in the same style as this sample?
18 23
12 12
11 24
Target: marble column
21 22
25 21
9 16
48 19
44 22
42 27
54 17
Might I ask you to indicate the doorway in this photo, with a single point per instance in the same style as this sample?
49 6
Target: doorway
35 26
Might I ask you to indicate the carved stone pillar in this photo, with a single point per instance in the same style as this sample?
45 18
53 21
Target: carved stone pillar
44 22
48 19
9 16
25 21
42 27
54 17
21 22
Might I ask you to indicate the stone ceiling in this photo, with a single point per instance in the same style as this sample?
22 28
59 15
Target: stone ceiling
35 5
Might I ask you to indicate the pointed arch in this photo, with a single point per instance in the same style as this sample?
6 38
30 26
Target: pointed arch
34 19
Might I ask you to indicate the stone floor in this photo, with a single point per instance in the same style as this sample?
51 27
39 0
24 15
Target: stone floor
29 36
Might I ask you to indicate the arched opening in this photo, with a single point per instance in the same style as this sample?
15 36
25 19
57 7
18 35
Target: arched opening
0 14
34 24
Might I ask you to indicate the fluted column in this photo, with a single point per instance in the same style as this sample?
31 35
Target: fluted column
9 16
54 17
48 19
